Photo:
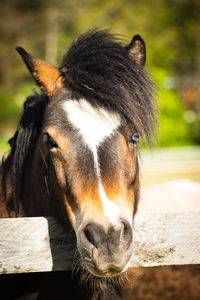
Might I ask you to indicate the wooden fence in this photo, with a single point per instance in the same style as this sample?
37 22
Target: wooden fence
41 244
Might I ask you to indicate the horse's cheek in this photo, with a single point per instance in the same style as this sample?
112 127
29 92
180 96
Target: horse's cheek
70 212
58 169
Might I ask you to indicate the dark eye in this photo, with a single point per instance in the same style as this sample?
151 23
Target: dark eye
49 141
135 138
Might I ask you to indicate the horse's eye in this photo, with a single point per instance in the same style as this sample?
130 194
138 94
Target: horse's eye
135 138
50 141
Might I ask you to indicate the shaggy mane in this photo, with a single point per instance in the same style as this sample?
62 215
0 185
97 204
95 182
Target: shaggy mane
98 67
22 145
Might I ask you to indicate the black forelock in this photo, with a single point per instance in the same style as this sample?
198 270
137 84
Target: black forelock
98 68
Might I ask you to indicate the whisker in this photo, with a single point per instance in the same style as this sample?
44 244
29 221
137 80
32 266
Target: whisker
90 281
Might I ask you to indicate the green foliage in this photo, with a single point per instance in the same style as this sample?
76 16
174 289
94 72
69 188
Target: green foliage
11 105
174 130
4 146
8 107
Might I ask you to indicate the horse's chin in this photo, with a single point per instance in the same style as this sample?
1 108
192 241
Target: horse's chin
113 272
104 275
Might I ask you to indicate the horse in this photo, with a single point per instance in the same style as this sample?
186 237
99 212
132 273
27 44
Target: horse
74 156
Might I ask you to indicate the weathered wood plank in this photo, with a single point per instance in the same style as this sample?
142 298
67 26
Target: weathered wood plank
41 244
34 245
167 239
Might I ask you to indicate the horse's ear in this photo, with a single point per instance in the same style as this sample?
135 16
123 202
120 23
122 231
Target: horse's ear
48 77
137 50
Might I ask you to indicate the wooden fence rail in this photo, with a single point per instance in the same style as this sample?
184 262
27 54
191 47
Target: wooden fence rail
41 244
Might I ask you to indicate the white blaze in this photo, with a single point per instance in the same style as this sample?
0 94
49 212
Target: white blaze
95 125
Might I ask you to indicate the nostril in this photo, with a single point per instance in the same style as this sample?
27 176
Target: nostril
94 235
89 236
126 234
126 229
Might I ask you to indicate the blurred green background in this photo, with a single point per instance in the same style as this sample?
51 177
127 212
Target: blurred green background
170 28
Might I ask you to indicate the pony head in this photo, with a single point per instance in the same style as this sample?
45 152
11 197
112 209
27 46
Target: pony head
99 103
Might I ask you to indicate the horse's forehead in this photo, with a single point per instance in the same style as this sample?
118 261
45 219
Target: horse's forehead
94 125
